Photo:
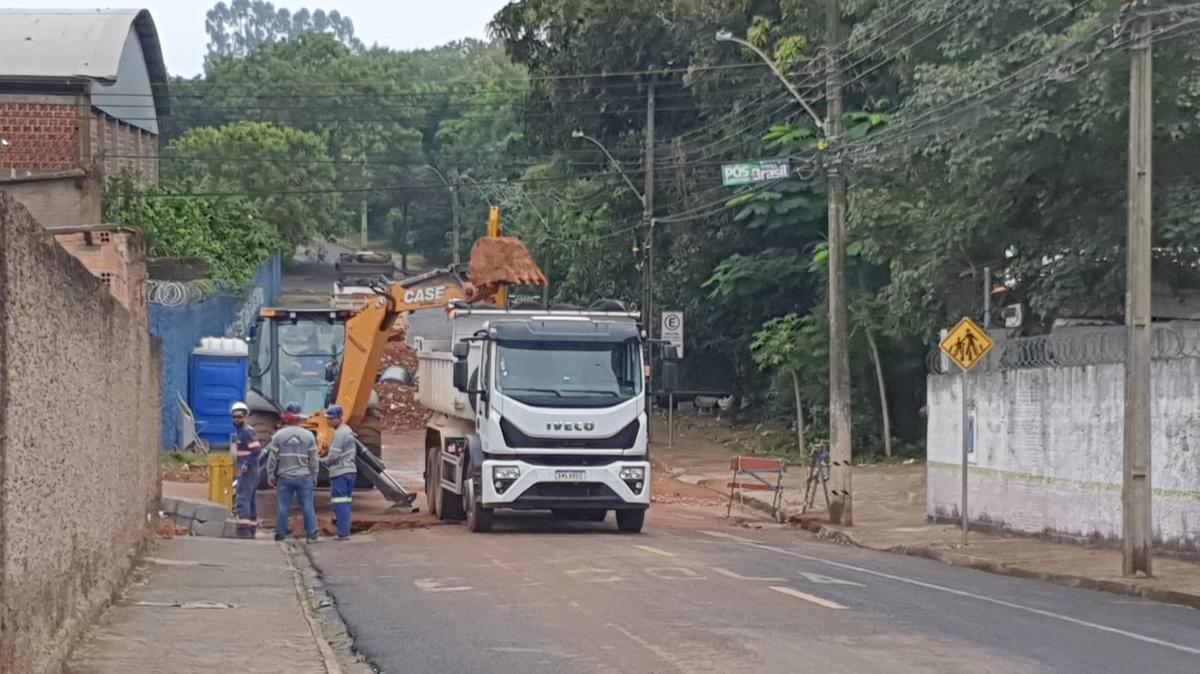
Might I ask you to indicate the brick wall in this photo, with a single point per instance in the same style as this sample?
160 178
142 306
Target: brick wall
42 137
117 146
116 257
79 481
43 133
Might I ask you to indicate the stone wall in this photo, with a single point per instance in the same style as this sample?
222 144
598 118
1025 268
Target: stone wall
79 436
1047 449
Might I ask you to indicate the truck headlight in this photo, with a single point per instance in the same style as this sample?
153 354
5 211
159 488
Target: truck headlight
506 472
635 473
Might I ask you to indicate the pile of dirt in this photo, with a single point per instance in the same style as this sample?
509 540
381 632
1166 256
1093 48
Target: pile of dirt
168 529
398 404
665 490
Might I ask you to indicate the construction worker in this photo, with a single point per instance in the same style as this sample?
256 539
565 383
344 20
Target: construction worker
342 473
245 442
292 470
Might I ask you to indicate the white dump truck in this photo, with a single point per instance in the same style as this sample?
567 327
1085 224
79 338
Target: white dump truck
536 410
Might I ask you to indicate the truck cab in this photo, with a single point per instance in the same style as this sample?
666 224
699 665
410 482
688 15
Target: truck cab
537 410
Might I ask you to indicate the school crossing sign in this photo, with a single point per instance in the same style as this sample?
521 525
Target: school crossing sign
966 344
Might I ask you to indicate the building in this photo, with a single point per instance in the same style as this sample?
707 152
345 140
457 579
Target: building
114 254
81 93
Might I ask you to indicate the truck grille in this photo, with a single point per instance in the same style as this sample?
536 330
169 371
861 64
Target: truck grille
517 439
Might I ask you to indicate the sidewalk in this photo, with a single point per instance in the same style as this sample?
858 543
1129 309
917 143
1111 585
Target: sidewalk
208 605
889 515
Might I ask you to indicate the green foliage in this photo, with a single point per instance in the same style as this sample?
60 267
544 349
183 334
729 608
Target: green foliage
243 26
229 234
290 177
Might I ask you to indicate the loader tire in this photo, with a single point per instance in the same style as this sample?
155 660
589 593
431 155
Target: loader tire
370 434
264 424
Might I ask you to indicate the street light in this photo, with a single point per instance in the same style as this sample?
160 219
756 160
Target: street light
613 160
726 36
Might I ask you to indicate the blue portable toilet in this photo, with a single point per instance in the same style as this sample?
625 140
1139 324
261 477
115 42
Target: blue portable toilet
216 380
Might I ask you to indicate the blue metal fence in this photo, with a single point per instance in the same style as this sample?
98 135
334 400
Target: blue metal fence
181 324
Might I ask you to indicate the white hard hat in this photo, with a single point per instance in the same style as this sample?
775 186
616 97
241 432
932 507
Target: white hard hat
239 407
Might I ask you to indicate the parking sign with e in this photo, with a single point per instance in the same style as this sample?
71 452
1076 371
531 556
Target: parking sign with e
672 329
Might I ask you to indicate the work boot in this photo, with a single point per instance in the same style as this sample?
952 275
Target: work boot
342 539
314 540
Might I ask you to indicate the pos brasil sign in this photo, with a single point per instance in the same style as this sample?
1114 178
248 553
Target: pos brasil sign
747 173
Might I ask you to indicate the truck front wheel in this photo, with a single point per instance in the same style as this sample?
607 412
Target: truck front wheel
479 519
631 521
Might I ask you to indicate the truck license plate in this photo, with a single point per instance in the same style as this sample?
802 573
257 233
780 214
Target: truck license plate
569 475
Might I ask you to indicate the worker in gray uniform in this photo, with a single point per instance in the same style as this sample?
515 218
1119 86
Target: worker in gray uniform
292 467
342 472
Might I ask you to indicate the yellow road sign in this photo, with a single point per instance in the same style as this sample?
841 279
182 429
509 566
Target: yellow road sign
966 344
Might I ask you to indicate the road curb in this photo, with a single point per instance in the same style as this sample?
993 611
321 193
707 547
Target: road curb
329 631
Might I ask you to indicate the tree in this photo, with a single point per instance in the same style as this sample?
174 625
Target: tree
229 234
288 173
243 26
792 345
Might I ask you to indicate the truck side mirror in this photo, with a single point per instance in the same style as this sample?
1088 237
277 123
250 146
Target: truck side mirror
460 350
671 353
461 375
397 374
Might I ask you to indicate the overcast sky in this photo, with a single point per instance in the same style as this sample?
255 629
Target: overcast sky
399 24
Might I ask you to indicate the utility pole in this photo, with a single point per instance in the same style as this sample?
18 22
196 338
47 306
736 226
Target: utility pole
1135 488
648 251
647 217
841 509
454 216
364 235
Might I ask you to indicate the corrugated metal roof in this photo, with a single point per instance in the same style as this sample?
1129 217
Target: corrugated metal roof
66 44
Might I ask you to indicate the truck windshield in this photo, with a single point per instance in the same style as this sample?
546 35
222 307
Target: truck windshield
569 373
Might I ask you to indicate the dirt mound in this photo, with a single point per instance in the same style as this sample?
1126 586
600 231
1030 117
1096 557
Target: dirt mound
665 490
398 404
501 260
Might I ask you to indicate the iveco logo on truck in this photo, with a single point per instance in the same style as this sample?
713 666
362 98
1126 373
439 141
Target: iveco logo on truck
570 426
424 294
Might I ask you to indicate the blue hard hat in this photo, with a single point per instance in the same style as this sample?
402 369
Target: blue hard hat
334 412
293 408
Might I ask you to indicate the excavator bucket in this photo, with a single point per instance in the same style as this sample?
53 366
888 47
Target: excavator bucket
497 261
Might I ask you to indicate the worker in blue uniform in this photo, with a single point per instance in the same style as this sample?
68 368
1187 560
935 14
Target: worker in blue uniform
343 449
248 448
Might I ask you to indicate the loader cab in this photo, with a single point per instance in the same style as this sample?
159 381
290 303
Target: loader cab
295 356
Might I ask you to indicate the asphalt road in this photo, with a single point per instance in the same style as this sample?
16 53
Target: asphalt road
693 594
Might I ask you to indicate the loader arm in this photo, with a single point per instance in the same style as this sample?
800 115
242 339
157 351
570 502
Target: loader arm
367 335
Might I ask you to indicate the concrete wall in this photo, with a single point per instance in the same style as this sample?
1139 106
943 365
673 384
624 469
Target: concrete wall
181 327
67 200
1048 449
79 478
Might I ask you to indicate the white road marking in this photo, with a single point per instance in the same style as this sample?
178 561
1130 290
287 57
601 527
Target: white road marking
737 576
827 580
593 575
808 597
721 534
662 653
674 573
655 551
980 597
435 585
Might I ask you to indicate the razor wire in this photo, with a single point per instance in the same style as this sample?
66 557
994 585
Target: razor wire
1095 346
173 293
